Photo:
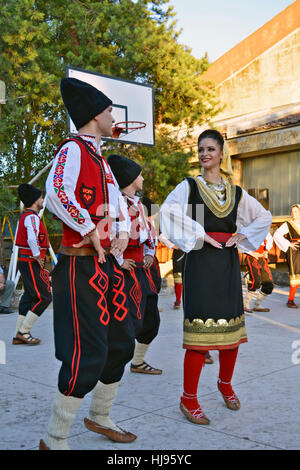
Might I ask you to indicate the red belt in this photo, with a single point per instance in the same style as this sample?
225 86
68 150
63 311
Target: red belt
135 253
221 237
27 252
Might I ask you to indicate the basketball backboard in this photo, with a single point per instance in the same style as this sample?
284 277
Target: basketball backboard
131 102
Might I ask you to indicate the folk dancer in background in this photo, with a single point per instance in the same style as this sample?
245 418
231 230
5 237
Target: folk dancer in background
287 238
260 281
91 321
151 212
136 262
212 290
7 289
32 240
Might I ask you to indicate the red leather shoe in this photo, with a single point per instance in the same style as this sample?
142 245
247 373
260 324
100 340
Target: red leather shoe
291 304
232 402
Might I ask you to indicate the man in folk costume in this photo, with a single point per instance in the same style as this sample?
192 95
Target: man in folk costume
136 262
208 217
151 212
260 281
32 240
287 238
91 322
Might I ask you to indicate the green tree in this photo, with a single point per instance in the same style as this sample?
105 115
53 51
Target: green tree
136 40
164 165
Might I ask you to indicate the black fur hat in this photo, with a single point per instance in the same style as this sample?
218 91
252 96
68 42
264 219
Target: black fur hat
82 100
28 194
124 169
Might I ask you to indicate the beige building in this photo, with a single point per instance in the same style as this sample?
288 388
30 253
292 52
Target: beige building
258 83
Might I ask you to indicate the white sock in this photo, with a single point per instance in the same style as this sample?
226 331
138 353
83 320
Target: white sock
260 297
102 399
28 322
249 296
20 320
139 353
63 415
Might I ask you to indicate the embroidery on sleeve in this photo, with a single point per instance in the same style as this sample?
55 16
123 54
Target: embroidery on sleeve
58 184
33 223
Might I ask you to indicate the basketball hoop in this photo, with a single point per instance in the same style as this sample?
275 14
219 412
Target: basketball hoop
126 127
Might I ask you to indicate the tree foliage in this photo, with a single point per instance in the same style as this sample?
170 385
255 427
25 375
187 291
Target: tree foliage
136 40
163 165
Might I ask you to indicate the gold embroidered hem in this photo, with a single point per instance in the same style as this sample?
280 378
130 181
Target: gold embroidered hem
294 279
222 334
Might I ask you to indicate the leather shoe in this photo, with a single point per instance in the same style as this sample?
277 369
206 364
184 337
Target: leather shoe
43 446
291 304
208 359
117 436
200 420
232 403
6 310
261 309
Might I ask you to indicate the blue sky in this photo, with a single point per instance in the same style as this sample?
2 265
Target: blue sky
215 26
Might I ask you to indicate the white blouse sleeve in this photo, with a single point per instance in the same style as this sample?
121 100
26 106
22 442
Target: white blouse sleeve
253 221
60 189
269 242
280 239
32 224
176 225
166 242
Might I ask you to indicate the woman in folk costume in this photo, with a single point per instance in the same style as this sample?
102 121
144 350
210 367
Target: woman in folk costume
287 238
208 217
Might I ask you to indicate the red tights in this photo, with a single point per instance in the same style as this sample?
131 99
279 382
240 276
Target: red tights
178 291
293 290
193 363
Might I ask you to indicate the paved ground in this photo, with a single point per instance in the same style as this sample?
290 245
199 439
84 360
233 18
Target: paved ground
267 381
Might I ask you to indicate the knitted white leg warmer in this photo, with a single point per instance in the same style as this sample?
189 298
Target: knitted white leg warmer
63 415
259 299
249 297
139 353
28 322
102 399
20 321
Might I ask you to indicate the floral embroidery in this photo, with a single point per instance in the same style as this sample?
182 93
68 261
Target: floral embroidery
33 223
59 188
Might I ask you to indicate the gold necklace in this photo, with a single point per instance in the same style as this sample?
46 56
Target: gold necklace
219 189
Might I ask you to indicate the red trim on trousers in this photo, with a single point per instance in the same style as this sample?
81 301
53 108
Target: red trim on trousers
35 288
76 327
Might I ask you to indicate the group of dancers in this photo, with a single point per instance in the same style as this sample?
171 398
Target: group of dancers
105 284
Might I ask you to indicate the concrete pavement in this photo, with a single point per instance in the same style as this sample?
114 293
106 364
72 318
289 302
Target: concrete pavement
266 379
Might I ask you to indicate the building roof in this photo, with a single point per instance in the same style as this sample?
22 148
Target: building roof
256 44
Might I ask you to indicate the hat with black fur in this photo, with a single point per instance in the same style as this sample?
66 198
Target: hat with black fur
82 100
28 194
124 169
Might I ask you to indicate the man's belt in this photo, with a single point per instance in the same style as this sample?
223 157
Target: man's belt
27 253
83 251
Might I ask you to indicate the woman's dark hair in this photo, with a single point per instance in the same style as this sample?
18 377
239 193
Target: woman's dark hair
212 134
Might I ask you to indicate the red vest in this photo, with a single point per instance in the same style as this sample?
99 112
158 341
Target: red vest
21 238
91 193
